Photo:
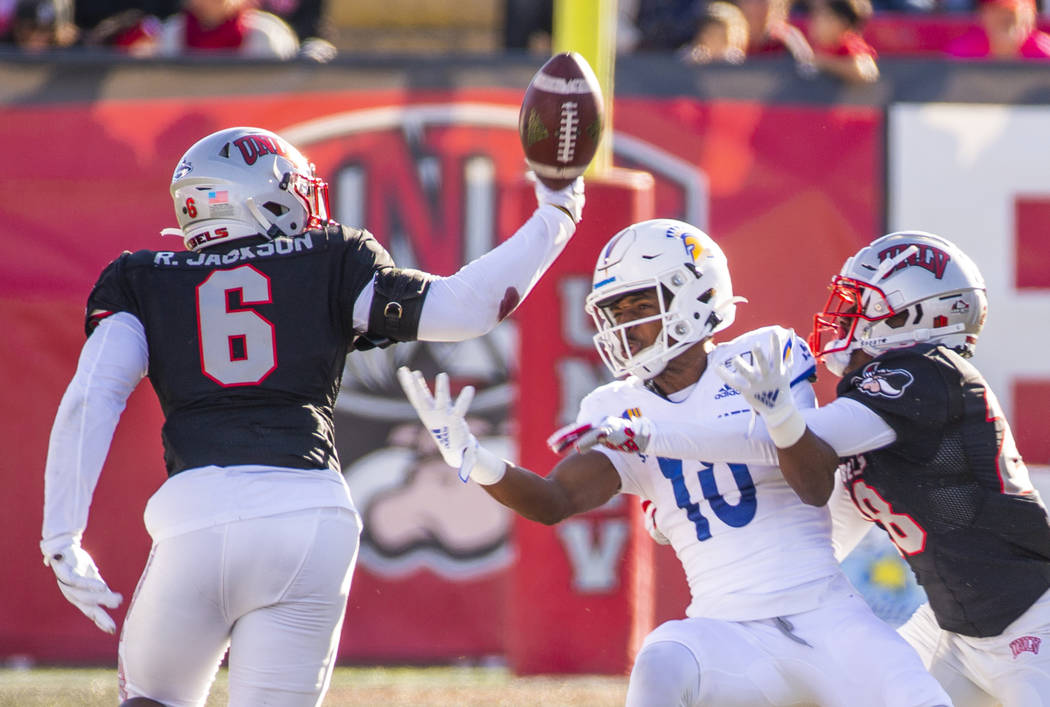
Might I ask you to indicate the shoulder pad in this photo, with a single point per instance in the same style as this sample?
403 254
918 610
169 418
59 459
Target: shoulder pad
802 364
110 293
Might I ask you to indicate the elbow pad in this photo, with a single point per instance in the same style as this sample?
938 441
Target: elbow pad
397 302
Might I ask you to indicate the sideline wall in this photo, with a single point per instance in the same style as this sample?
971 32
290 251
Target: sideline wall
789 175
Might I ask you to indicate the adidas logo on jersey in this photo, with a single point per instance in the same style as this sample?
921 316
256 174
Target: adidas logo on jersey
725 391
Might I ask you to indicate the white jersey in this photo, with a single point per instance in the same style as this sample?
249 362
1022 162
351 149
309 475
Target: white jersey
750 548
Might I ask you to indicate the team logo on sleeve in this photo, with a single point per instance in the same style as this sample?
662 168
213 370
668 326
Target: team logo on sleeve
882 382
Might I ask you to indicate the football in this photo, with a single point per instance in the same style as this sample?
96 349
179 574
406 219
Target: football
561 118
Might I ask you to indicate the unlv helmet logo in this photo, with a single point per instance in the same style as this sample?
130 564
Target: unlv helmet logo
882 382
933 259
253 147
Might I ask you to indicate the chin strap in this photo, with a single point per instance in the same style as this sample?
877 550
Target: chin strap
270 229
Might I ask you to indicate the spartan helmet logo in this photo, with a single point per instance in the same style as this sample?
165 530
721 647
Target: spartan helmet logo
883 382
692 246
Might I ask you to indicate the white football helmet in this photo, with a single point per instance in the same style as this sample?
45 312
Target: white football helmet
691 277
243 182
902 289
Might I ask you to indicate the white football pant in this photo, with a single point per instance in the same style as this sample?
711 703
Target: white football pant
272 589
840 655
1011 669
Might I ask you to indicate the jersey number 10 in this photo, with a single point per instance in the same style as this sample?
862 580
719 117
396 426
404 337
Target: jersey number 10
735 516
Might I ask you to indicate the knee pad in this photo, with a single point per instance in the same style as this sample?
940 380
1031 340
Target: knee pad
665 673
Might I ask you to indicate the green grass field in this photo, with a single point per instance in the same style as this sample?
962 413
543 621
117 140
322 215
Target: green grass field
426 687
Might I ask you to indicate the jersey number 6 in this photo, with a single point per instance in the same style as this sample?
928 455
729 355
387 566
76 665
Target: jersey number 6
237 344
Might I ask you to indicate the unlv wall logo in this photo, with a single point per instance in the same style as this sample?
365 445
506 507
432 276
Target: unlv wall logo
434 183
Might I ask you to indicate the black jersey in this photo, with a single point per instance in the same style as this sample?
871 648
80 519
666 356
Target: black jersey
952 492
247 340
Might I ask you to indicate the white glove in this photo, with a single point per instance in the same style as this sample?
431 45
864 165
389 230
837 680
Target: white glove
81 584
446 422
649 514
616 433
565 438
319 50
766 384
569 199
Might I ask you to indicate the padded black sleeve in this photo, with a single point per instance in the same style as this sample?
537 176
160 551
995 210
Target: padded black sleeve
397 303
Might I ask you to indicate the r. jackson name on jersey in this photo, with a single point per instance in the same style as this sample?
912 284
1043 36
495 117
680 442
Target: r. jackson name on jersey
951 492
242 254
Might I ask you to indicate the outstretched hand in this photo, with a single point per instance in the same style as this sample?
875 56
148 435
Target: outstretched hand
445 421
447 424
765 382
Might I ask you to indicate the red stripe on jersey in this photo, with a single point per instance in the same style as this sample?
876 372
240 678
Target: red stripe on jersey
96 318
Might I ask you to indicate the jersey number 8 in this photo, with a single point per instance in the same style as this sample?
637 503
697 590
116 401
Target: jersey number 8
906 534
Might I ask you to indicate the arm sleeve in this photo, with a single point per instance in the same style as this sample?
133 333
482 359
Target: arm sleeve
483 292
848 526
478 297
729 439
849 427
113 361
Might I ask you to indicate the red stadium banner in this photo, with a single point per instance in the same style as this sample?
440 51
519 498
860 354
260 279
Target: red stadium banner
428 586
429 173
594 570
788 191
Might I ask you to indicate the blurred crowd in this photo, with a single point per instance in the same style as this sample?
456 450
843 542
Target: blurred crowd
840 38
264 29
828 36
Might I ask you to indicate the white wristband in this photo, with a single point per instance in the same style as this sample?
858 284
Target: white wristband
487 468
788 432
